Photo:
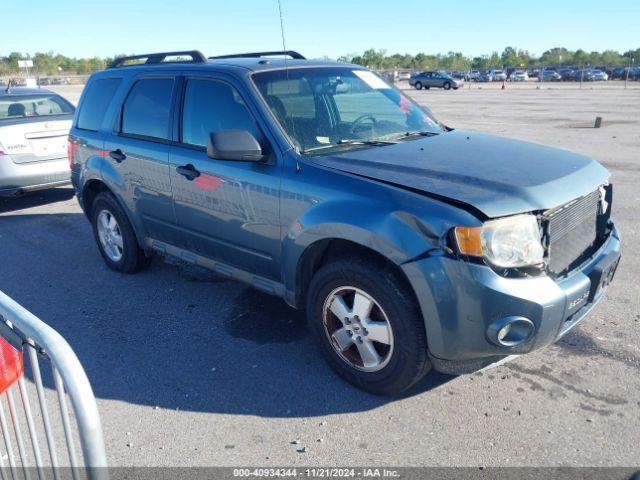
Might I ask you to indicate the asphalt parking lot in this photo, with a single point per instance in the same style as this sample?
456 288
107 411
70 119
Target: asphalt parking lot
193 369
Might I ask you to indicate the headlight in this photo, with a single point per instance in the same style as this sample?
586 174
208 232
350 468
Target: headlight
507 243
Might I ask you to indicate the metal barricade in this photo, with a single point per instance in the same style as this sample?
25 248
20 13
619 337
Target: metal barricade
53 438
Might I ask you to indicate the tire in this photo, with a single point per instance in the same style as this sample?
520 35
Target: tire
403 358
132 258
446 85
418 86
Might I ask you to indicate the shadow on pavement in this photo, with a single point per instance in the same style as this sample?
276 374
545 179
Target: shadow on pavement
174 336
34 199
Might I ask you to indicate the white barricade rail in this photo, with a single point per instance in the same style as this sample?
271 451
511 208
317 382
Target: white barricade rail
51 435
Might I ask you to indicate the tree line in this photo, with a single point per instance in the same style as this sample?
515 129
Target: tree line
52 64
56 64
510 57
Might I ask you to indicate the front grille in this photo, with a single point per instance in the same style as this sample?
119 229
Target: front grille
572 232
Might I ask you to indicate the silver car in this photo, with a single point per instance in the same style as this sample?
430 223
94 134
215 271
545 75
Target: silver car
435 79
519 76
34 125
498 75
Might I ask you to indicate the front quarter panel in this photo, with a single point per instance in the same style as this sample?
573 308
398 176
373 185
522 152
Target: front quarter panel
318 204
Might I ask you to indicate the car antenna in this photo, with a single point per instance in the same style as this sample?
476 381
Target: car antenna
286 69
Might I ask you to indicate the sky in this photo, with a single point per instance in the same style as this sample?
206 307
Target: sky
316 28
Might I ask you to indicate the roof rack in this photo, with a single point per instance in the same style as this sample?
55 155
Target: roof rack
156 58
290 53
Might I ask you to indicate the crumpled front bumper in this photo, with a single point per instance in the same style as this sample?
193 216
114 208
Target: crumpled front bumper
460 300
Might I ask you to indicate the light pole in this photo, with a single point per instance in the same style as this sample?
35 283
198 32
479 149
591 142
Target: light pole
626 77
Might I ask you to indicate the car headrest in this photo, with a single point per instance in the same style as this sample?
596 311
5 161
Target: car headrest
43 109
17 110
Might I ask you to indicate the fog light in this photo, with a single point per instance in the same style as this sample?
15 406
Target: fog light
511 331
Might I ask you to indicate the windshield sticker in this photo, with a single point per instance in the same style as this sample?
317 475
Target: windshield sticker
371 79
323 139
405 106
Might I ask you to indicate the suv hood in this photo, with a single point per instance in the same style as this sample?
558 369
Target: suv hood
494 175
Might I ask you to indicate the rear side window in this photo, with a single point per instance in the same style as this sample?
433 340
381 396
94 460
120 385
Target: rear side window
95 103
15 107
146 110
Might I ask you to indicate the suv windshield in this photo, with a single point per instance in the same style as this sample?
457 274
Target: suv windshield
334 107
20 106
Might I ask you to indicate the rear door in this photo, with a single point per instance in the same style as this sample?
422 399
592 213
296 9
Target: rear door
86 138
429 79
139 152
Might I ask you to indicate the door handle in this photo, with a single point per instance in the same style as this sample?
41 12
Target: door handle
188 171
117 155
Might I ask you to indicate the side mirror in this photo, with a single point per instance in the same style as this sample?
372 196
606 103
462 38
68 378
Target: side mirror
237 145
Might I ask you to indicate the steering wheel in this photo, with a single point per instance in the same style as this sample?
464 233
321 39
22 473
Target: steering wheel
356 123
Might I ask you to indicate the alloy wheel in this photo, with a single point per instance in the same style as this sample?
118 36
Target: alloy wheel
110 235
358 329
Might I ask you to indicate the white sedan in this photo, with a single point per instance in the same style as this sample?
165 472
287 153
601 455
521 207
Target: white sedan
34 126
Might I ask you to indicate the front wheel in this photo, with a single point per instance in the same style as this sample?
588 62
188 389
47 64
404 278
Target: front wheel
447 85
418 86
368 325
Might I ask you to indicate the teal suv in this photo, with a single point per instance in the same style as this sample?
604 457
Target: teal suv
410 245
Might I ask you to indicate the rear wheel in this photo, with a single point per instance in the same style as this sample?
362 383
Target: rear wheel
368 326
115 236
418 86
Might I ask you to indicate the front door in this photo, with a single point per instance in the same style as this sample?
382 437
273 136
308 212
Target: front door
227 210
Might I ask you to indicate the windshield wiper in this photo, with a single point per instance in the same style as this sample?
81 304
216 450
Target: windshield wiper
356 141
348 141
424 133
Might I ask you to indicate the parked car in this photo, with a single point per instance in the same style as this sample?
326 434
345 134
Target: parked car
618 73
461 75
588 75
389 77
34 124
498 76
404 75
519 76
409 244
485 76
604 69
593 75
428 80
549 76
568 74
